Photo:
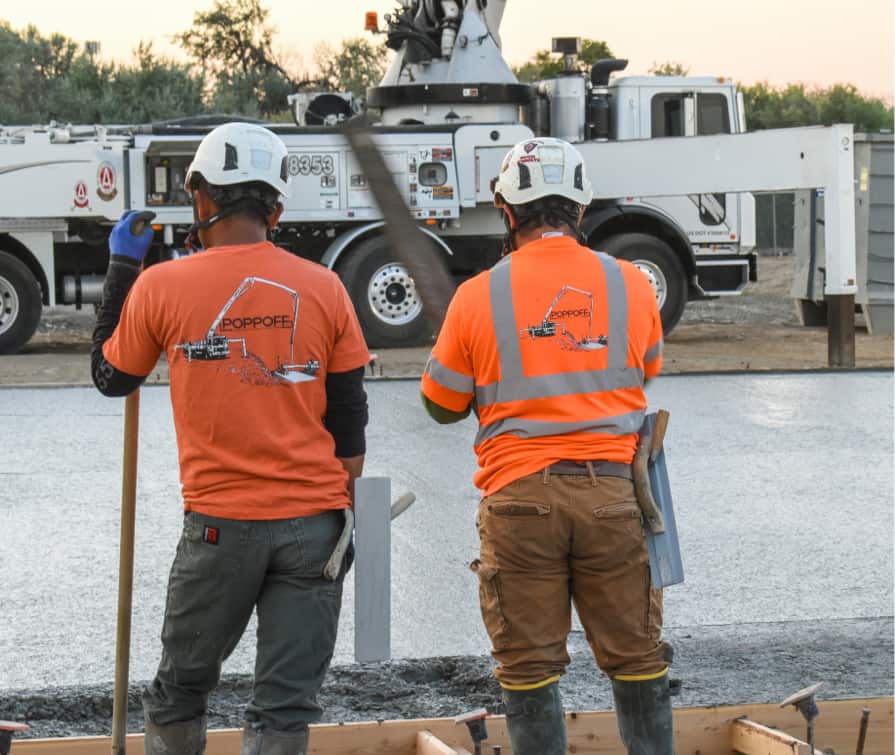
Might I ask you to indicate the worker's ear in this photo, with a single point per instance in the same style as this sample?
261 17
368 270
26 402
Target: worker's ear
205 206
274 217
501 205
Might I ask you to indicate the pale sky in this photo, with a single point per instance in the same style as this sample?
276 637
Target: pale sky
818 42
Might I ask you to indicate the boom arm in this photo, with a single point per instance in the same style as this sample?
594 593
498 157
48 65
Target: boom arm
778 160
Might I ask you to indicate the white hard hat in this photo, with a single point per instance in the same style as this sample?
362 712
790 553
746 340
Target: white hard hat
238 153
543 167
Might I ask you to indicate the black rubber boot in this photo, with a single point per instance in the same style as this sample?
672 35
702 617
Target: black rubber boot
535 721
643 710
179 738
270 742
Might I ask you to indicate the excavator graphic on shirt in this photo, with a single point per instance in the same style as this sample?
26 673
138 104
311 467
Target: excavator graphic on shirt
216 346
554 325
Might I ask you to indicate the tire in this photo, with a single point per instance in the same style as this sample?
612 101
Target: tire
388 304
20 304
661 266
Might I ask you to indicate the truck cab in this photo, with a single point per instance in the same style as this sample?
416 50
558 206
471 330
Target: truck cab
719 227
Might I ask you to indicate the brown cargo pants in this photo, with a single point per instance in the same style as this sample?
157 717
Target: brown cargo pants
548 540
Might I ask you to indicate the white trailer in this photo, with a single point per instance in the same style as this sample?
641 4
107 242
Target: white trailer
449 108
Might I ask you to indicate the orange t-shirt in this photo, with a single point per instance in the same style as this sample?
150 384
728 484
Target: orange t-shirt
250 333
553 376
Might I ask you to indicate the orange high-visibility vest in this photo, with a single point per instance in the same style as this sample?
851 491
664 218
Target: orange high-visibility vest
553 343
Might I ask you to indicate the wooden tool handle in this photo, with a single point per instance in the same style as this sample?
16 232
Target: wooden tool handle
125 571
658 437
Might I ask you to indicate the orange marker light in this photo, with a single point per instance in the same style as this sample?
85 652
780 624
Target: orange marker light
371 21
431 222
156 227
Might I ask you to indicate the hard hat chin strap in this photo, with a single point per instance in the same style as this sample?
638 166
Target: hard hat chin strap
509 238
193 242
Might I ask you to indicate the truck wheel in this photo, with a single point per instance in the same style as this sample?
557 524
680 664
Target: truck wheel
658 262
20 304
387 301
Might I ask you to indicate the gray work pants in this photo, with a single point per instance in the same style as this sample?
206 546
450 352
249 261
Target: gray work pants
225 568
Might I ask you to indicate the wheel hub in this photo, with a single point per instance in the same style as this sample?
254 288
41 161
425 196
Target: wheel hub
392 295
656 279
9 305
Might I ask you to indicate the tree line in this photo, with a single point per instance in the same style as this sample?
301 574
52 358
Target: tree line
232 68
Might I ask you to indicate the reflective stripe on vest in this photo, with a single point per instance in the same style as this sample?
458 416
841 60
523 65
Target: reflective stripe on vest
652 352
450 379
514 386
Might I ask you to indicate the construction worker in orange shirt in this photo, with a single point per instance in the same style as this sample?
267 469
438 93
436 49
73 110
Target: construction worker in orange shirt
266 360
552 348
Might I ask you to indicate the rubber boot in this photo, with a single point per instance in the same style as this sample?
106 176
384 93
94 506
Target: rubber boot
643 710
535 721
270 742
179 738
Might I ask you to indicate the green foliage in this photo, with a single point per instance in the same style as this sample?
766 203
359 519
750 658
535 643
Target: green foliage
794 105
234 42
356 67
544 64
54 79
154 88
669 68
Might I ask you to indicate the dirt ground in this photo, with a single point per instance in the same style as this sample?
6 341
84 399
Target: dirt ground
756 331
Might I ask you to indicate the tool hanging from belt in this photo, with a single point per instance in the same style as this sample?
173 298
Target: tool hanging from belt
653 493
334 563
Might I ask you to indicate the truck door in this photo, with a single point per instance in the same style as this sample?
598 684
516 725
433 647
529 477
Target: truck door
706 218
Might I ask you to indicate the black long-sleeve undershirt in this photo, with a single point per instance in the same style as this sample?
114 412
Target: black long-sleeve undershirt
346 412
120 277
346 401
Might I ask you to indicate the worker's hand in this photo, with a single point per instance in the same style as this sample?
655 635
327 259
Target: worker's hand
132 235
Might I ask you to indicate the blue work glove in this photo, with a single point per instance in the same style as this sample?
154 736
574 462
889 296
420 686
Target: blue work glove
132 235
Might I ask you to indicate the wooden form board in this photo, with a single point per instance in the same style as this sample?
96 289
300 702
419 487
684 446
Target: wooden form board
428 744
707 731
751 738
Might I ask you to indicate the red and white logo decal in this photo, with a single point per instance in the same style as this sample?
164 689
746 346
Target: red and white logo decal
105 181
530 146
81 200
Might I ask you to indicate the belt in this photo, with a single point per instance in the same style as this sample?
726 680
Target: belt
600 468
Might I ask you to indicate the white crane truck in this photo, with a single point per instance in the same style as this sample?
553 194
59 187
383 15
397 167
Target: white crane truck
447 110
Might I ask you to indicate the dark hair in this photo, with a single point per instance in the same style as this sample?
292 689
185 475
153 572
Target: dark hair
254 198
554 211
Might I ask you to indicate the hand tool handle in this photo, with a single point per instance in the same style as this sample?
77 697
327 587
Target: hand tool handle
139 221
401 505
125 571
658 438
643 490
334 563
414 250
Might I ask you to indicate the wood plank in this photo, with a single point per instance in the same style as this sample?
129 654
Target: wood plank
428 744
751 738
703 730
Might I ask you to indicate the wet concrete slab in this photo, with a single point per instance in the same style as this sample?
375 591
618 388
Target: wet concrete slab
782 485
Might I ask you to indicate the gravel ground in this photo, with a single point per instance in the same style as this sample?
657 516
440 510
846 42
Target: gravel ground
717 665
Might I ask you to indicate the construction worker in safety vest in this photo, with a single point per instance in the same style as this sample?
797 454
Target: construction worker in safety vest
266 363
552 348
